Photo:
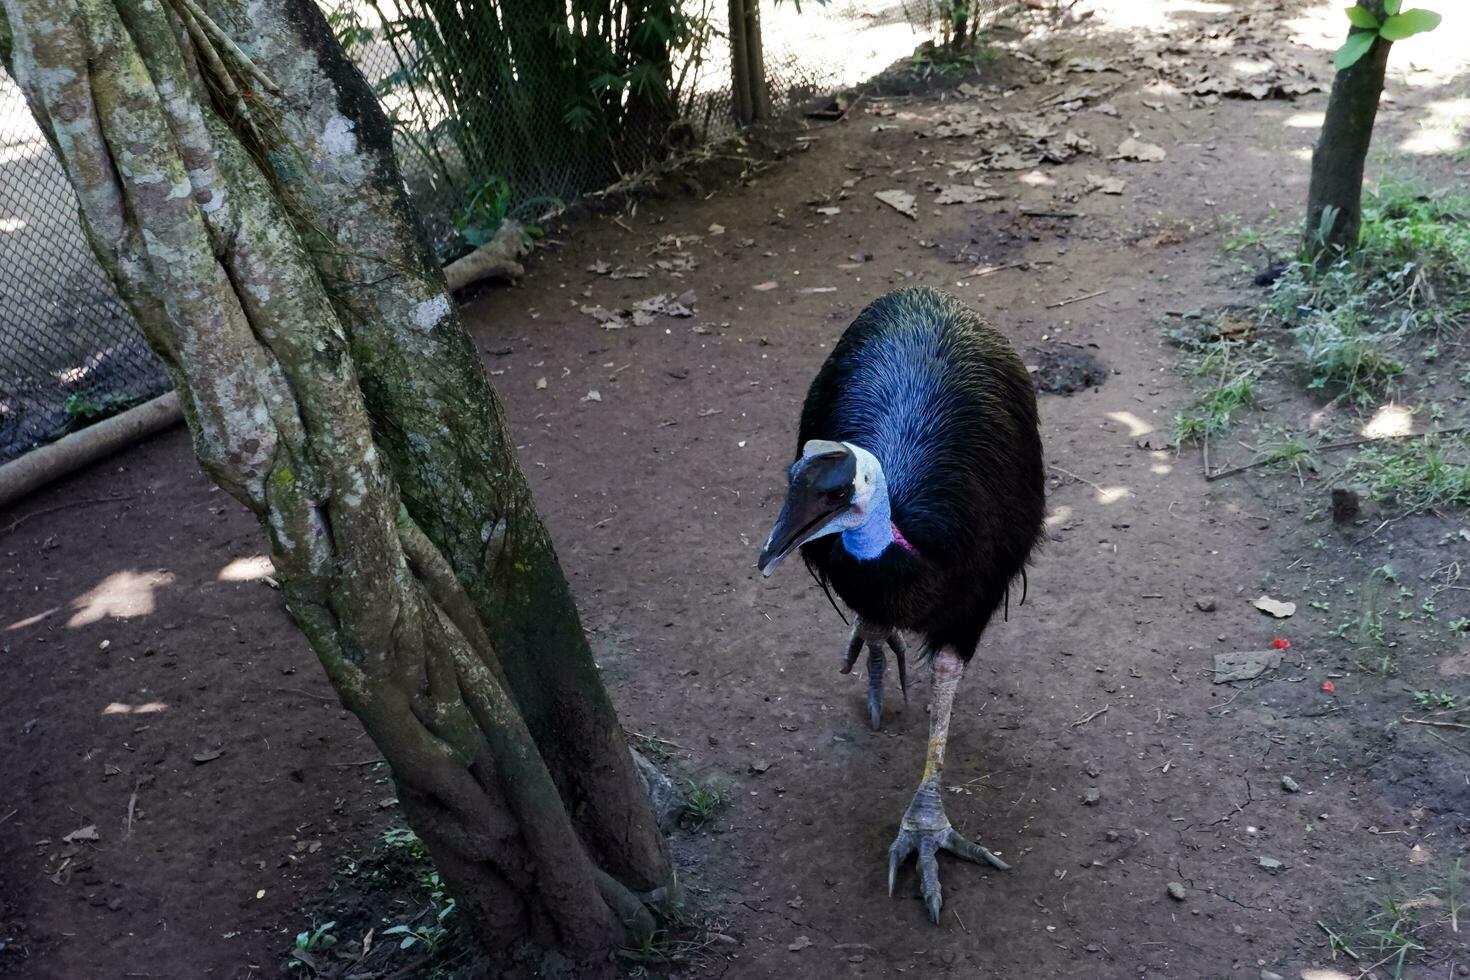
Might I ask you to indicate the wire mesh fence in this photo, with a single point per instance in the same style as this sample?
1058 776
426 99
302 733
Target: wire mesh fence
492 118
68 351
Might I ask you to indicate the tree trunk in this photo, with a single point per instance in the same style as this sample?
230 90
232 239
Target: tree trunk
755 58
751 96
1334 200
253 219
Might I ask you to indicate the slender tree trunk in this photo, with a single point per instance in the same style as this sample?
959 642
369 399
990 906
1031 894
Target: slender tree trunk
751 95
1334 200
741 106
252 216
755 58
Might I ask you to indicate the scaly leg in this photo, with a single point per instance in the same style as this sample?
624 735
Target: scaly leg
925 828
875 637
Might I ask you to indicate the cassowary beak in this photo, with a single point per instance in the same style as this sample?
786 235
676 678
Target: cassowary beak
821 488
800 516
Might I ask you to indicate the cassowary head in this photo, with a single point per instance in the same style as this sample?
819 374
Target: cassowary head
835 487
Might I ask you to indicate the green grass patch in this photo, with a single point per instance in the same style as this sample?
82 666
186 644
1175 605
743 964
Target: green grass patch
388 915
1410 274
703 803
1417 474
1342 354
1222 354
1216 408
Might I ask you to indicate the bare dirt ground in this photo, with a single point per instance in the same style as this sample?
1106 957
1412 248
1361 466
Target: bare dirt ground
153 688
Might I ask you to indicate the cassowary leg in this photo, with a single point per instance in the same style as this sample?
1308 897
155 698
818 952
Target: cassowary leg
925 829
875 637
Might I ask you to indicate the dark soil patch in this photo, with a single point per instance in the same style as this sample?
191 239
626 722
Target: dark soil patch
1065 370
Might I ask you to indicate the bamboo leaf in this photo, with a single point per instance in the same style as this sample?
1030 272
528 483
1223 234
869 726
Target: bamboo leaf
1409 23
1352 49
1362 17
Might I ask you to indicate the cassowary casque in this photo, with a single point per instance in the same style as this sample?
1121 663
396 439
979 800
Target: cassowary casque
918 495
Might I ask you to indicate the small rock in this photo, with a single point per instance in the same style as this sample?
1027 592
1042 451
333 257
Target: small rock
1290 785
1269 975
1244 665
1176 891
1113 836
1092 797
1205 604
1270 863
799 943
760 765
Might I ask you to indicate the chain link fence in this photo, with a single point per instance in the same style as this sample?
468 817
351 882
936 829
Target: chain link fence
69 353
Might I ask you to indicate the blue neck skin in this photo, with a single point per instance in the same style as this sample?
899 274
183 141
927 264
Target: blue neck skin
869 539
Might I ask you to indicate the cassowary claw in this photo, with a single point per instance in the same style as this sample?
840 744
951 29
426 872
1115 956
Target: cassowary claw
929 843
875 638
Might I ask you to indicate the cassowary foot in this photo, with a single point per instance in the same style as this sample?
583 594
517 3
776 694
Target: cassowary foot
875 638
925 830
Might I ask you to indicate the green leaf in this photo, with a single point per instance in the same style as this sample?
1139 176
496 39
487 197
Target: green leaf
1391 7
1352 49
1362 17
1409 23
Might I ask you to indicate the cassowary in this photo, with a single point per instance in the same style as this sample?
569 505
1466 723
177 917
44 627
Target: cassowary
918 495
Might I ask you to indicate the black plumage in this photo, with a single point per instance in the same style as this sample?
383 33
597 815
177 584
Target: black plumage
945 404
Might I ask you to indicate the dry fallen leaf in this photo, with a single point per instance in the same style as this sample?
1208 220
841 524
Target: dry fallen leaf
1132 149
964 194
540 383
799 944
900 201
716 229
207 755
829 210
764 287
1275 607
87 833
592 396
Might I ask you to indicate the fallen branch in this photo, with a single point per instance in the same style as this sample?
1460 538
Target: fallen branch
1086 718
132 808
70 503
653 738
498 258
306 694
1074 476
1337 942
981 271
1074 299
1436 724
